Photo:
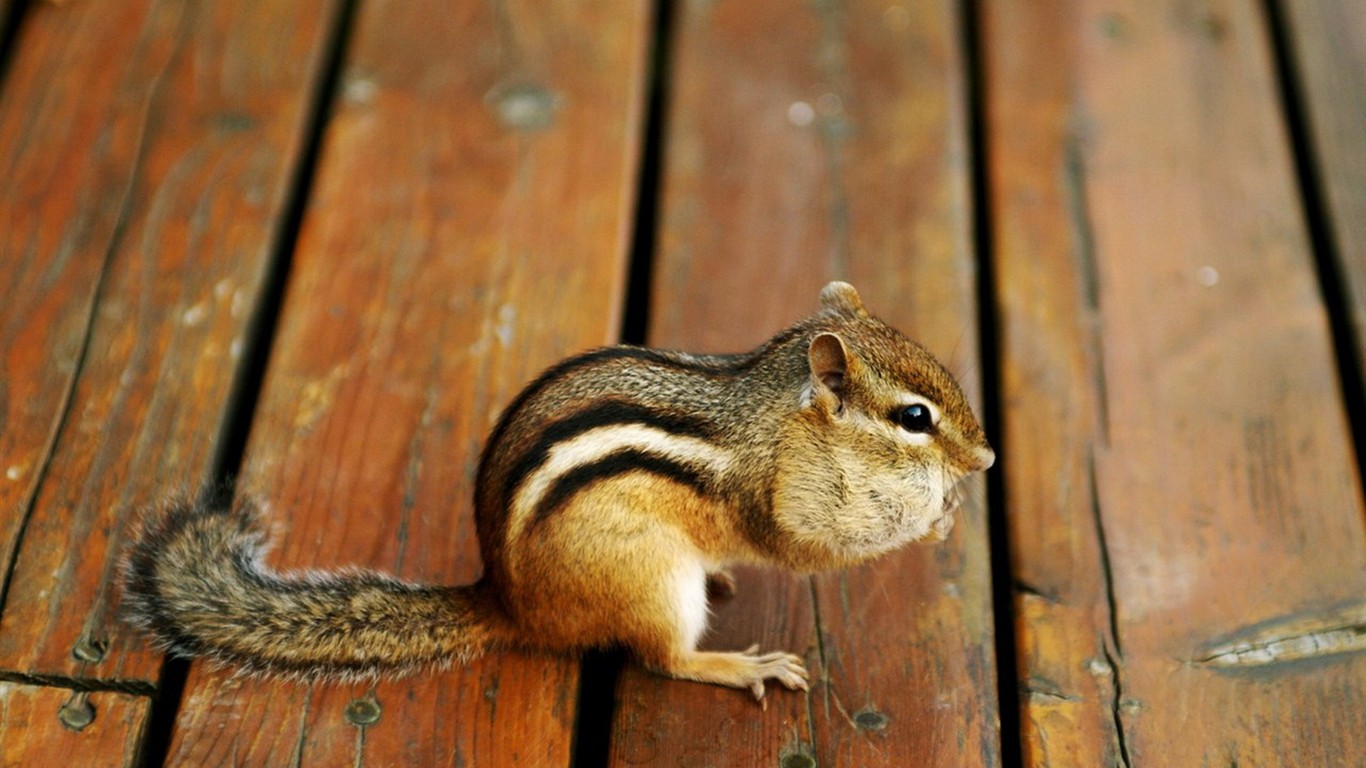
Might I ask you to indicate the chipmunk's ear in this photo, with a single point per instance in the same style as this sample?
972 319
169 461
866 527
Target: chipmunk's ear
829 362
842 298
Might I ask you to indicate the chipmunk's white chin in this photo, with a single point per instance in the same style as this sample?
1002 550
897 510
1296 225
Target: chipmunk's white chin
940 529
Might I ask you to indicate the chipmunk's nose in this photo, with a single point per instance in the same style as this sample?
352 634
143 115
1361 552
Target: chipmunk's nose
985 458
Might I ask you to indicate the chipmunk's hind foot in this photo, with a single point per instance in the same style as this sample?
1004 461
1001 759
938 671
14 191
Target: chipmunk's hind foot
742 669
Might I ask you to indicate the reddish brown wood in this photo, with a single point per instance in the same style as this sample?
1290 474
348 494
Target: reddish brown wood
467 228
147 152
1186 521
1051 385
53 245
32 729
1328 43
808 142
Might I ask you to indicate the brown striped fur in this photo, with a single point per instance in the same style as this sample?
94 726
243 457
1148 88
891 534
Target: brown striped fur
615 488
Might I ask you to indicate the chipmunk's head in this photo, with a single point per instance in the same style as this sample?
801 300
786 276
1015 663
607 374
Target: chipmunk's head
883 435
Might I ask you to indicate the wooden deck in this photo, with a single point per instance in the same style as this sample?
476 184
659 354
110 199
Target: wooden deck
314 247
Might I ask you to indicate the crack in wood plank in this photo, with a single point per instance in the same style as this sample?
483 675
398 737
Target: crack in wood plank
1042 688
87 684
1114 653
1088 271
152 97
1116 701
1342 631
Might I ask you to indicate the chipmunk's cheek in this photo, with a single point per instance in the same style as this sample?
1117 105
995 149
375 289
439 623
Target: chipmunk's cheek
917 513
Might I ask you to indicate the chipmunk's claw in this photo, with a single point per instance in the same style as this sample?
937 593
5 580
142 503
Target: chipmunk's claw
747 669
783 667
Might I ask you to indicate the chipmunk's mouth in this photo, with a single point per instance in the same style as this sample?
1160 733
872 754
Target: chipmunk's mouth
941 528
952 500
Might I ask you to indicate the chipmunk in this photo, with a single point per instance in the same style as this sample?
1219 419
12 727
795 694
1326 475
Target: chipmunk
614 490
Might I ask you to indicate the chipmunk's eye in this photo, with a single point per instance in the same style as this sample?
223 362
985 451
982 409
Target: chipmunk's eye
914 418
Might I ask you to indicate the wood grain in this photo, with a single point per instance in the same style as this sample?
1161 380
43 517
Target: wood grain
1328 43
468 227
32 730
807 143
1186 522
1051 387
148 151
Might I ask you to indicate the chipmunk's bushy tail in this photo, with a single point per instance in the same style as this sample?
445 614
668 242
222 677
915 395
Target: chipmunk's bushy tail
194 580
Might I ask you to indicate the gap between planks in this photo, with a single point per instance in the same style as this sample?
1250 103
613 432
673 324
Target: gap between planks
1008 684
259 336
11 18
1330 267
600 671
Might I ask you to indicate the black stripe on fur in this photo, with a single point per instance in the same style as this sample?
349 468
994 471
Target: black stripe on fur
611 465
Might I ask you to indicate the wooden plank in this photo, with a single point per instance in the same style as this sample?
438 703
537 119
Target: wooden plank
1186 521
1050 388
1328 40
468 227
808 142
54 726
148 156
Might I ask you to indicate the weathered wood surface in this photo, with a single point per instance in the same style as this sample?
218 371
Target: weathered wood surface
53 726
1186 521
147 151
1328 42
804 143
468 227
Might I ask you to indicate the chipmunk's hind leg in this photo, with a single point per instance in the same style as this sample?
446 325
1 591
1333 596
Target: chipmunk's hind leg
739 669
680 658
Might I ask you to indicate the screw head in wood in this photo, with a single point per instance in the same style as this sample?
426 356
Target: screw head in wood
871 720
76 713
362 712
89 650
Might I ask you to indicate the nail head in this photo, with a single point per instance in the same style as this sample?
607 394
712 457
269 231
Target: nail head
363 712
870 720
89 651
77 713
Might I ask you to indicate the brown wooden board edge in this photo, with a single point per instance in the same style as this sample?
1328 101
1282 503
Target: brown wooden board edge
1341 271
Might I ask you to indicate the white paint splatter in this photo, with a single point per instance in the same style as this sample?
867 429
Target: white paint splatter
507 319
360 89
195 315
